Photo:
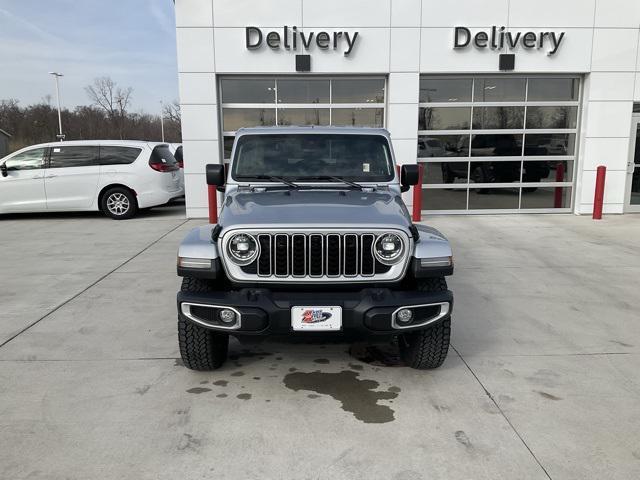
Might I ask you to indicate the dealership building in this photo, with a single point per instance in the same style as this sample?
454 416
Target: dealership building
509 105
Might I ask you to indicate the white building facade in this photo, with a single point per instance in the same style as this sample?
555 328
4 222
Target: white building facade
510 105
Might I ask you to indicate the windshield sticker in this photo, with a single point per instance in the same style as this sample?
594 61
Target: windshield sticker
365 167
56 150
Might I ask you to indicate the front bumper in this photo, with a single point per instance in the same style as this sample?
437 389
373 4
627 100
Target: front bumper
366 312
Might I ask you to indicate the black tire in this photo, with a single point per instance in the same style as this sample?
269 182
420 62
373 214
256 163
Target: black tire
119 203
200 348
427 349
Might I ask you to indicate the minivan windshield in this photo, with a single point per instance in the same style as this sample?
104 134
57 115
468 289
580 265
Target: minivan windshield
313 157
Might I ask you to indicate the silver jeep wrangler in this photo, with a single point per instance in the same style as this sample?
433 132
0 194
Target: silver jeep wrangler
314 238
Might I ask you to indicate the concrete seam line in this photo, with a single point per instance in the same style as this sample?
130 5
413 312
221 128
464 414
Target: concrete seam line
73 297
502 413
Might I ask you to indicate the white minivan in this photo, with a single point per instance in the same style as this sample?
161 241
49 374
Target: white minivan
117 177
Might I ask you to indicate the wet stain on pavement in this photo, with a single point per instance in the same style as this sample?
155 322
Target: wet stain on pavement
221 383
293 369
622 344
322 361
355 395
313 395
355 366
244 396
188 442
142 390
256 378
222 395
198 390
237 374
203 382
548 396
462 438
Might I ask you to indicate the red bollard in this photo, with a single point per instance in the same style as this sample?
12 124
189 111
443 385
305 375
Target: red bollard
557 200
417 196
599 196
213 203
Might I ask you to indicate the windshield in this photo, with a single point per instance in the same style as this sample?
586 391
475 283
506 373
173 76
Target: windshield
358 158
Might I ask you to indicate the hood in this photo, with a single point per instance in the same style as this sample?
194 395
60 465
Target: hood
313 208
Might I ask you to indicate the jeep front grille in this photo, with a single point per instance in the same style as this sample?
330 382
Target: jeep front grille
322 256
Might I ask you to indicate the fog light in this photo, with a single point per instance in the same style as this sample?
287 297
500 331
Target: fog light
404 316
227 316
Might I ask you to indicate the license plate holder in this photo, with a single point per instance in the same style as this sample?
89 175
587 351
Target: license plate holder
316 318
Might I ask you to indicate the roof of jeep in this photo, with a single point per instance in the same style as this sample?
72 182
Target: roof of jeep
312 130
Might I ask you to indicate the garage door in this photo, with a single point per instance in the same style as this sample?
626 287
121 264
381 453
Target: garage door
504 144
268 101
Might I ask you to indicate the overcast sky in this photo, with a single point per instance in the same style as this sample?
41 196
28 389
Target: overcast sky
132 41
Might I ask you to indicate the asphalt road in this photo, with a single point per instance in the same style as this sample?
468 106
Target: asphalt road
543 380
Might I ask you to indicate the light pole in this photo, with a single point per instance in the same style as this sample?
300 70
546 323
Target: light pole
57 75
162 119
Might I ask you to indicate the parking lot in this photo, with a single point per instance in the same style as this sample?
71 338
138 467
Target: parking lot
543 380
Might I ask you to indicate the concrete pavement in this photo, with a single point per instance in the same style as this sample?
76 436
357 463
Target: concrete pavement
543 380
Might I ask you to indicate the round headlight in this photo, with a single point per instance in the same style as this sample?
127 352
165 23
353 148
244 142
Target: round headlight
388 248
243 248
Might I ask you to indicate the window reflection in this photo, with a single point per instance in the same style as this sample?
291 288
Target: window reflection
445 173
444 199
443 146
457 118
553 89
496 145
546 197
303 91
495 172
357 90
303 116
552 117
499 89
445 89
550 144
360 117
493 198
236 118
498 117
251 90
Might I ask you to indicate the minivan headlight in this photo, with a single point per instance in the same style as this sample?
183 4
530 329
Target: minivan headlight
388 248
242 248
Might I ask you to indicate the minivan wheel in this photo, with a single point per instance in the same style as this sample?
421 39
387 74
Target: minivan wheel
119 203
427 349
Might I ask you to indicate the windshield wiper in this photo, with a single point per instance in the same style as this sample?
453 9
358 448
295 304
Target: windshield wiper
271 178
332 177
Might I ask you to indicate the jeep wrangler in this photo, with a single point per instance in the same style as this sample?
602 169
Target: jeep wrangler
313 237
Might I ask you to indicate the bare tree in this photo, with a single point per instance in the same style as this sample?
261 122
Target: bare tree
171 112
114 100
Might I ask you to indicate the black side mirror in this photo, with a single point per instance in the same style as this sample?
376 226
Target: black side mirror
409 175
4 169
215 174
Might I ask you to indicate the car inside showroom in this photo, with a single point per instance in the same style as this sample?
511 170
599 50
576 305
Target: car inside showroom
506 111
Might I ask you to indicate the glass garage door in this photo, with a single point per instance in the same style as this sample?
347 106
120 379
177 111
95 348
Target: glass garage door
268 101
498 143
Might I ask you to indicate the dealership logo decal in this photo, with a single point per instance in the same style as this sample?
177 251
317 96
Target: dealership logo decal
498 38
292 39
315 316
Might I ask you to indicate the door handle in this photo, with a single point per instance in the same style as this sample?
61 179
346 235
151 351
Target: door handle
51 176
37 177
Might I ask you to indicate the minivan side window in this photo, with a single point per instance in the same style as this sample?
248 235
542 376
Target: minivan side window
29 160
73 156
118 155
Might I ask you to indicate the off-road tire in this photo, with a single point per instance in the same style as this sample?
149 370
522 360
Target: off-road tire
427 349
200 348
112 196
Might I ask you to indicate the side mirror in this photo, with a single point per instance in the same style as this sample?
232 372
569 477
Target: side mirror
215 174
4 169
409 175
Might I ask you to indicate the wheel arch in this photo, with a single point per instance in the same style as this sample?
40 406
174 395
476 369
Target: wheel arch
106 188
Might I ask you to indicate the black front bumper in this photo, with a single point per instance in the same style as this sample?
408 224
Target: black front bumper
365 312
